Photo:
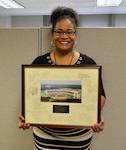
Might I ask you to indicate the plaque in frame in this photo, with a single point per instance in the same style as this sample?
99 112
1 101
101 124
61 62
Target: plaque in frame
65 96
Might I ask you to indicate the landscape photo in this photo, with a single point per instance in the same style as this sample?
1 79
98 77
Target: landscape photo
61 91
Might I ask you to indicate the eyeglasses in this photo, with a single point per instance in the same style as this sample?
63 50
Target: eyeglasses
61 32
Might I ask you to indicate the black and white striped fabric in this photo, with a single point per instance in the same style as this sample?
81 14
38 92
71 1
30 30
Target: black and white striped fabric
60 138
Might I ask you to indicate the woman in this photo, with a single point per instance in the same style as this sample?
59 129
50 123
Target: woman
64 23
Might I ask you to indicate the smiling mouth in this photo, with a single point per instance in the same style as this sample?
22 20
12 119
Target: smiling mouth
64 42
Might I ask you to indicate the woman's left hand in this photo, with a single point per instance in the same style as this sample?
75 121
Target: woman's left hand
98 127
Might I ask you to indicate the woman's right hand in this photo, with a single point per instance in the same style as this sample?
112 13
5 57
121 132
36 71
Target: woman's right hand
22 124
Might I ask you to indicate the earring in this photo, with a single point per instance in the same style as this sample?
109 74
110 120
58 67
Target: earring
75 44
52 44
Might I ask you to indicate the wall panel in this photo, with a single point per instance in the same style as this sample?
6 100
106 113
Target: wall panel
107 46
17 47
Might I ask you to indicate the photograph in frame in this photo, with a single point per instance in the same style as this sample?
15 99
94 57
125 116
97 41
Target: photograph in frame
66 96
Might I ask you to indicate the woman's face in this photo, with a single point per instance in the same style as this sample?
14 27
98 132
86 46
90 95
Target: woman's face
64 35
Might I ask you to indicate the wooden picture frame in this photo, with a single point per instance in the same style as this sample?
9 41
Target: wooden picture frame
67 96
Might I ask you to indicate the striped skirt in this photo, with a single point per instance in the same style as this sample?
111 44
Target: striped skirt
61 138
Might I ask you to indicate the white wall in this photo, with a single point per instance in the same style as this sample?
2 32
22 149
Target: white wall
5 21
94 20
27 21
104 20
119 20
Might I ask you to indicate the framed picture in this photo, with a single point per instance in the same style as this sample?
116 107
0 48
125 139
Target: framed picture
66 96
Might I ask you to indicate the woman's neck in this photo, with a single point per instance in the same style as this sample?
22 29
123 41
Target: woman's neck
68 58
63 58
63 53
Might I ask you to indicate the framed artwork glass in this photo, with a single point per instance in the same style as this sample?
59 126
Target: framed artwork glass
66 96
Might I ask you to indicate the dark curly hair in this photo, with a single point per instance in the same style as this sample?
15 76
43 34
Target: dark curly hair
64 13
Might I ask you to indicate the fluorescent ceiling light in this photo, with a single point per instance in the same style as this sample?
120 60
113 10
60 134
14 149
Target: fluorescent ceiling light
10 4
104 3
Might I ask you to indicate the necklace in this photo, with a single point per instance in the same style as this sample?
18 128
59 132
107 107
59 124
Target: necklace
70 59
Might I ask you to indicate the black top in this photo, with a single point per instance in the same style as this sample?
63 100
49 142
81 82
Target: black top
46 59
